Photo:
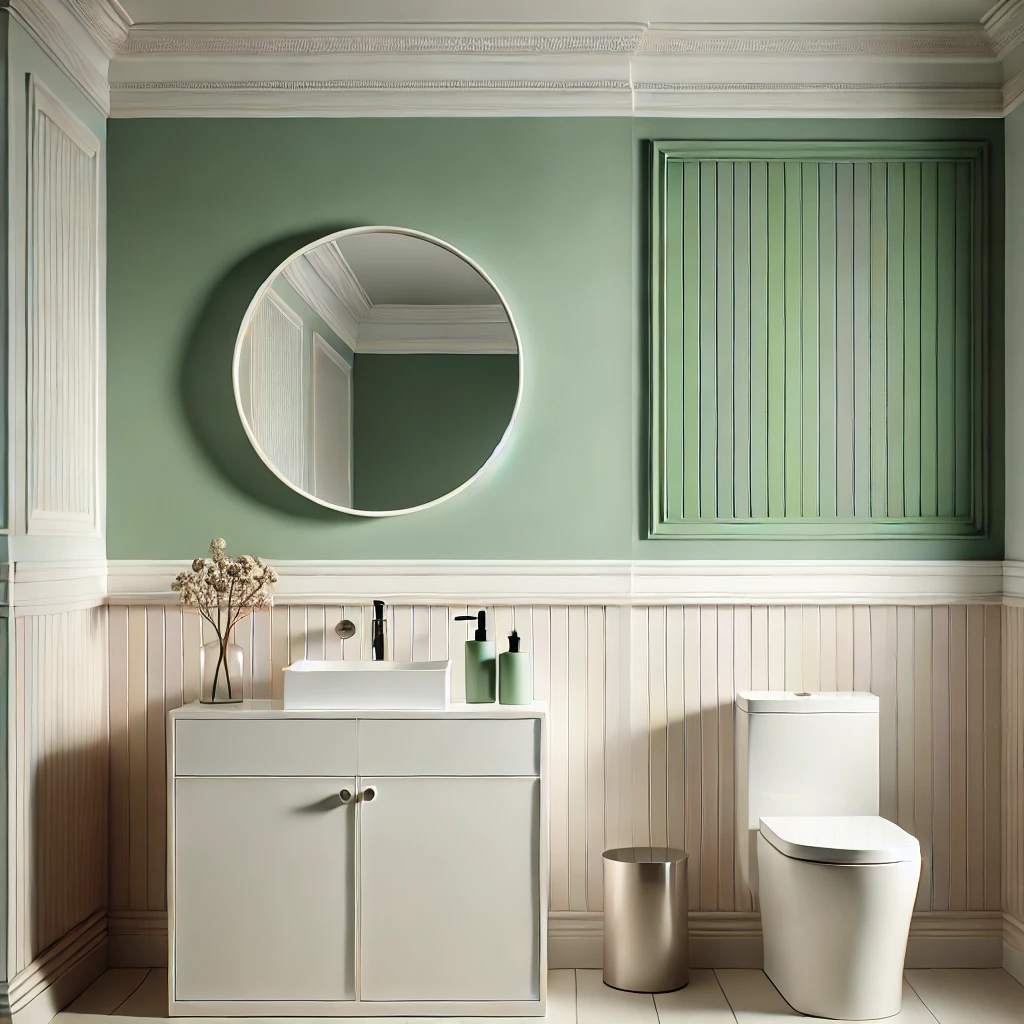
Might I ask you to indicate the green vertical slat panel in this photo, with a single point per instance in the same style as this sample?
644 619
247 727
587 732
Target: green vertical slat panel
879 502
672 402
894 340
844 321
776 339
946 319
708 331
862 339
724 343
759 440
912 339
826 277
979 390
929 339
964 317
741 331
794 296
691 340
809 340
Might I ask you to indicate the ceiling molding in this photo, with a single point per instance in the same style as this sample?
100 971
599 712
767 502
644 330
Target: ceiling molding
1013 91
105 20
1004 26
557 70
67 43
324 300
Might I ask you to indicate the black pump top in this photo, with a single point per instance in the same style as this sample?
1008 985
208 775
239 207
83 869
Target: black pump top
481 623
513 642
378 610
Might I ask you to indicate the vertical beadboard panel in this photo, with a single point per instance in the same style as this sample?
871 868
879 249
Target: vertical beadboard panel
63 337
274 401
61 735
642 725
1013 762
862 272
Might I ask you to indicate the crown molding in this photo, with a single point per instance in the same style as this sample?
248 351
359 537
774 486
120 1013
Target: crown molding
1004 26
68 43
1013 91
557 70
106 21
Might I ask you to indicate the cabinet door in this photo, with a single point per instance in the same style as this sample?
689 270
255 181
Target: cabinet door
263 889
449 891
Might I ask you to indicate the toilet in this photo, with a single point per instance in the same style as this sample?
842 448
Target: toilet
836 883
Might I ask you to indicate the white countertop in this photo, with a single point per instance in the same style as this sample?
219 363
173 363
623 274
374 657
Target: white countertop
276 709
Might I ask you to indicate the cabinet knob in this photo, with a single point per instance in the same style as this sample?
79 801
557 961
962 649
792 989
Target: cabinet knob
345 796
369 793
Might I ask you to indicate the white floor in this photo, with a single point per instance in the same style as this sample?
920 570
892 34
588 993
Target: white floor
580 997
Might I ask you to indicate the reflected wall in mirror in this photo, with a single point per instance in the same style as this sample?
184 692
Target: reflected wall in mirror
377 371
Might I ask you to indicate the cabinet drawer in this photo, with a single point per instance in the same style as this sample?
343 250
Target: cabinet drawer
265 747
460 747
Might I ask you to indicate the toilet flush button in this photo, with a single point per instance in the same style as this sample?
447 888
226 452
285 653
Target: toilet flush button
803 693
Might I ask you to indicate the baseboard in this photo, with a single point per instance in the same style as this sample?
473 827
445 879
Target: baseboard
1013 947
60 975
937 939
137 938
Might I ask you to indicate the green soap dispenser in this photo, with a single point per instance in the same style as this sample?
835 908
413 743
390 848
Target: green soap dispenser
480 663
514 685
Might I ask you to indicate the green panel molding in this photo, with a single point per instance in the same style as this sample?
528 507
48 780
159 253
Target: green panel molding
820 354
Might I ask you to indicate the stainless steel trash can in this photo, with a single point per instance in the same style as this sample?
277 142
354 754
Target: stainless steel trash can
646 935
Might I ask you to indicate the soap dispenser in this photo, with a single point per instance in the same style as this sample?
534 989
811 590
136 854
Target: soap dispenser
514 674
480 665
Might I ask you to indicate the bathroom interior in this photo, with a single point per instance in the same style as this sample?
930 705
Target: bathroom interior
608 411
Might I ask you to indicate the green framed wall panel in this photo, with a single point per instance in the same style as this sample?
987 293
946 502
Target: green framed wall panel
819 335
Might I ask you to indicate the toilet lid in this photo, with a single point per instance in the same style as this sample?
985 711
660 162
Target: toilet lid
864 839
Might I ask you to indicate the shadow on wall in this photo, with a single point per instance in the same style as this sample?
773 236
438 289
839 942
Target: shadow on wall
68 855
207 393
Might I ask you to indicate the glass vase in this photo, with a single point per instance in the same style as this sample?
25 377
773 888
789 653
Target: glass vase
221 673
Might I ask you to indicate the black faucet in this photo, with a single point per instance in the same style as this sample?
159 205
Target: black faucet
378 633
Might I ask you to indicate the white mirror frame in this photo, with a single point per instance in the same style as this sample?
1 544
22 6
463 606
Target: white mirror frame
265 287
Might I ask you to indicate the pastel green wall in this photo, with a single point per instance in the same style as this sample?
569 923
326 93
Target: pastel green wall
424 424
201 210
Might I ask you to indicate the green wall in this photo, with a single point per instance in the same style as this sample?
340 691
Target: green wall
424 424
1015 334
554 209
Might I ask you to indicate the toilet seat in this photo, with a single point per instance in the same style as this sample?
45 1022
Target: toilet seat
860 839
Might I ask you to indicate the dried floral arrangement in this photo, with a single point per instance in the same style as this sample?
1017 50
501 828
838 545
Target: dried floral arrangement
225 590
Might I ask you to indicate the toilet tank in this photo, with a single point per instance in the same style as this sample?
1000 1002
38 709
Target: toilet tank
802 754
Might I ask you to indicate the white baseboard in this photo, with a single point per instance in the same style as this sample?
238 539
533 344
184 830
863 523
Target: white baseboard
137 938
937 939
1013 947
60 975
970 939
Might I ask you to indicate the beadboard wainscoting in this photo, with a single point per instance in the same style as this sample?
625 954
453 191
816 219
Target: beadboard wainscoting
642 741
57 797
1013 778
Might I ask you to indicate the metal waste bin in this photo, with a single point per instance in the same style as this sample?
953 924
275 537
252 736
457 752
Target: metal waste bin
646 935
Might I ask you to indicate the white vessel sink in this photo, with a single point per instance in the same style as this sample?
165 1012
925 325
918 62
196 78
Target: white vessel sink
361 685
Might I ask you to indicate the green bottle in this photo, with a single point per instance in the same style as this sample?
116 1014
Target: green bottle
514 685
480 664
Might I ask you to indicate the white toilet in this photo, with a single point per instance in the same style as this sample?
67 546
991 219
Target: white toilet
836 882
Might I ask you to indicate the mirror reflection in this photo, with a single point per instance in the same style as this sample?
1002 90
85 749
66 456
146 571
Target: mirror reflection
378 371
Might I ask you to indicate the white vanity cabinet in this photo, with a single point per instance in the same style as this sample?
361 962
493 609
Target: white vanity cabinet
357 864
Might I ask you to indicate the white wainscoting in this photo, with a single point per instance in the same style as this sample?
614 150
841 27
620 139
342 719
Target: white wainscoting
641 698
63 472
1013 781
58 801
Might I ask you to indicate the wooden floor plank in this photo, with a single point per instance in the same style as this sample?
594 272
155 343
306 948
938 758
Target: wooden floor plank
970 996
109 990
755 1000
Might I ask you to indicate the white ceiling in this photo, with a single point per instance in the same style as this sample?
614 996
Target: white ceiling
401 270
425 12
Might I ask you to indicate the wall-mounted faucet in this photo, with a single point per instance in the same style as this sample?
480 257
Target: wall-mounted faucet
378 633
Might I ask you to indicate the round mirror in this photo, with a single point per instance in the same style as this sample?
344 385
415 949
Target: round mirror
377 371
